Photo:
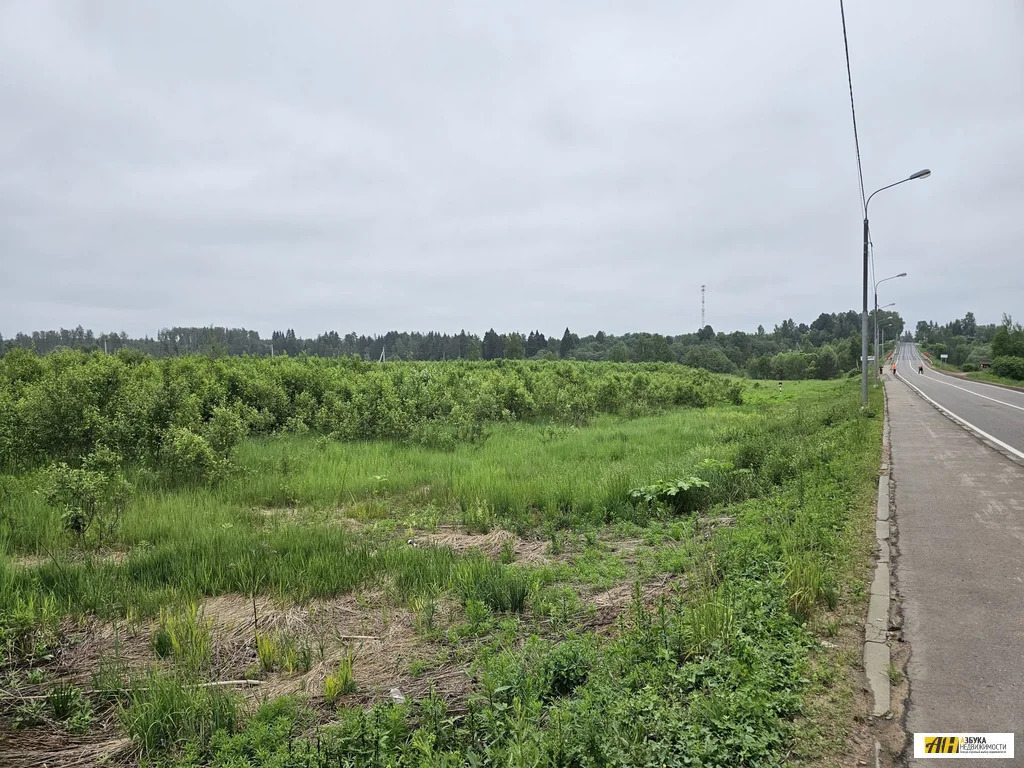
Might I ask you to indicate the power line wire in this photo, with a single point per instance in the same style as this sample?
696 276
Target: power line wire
853 112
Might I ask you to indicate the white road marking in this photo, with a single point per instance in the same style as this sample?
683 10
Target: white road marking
938 380
972 392
966 423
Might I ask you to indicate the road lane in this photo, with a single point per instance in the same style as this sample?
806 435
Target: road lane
996 411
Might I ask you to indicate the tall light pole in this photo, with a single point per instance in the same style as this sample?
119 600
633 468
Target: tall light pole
923 174
901 274
880 350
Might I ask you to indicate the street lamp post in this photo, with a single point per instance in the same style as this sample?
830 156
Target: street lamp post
901 274
923 174
880 350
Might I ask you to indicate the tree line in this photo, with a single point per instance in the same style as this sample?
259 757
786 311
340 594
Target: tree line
827 347
970 346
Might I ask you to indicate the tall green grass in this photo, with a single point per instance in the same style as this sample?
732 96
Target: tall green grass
520 471
166 712
189 543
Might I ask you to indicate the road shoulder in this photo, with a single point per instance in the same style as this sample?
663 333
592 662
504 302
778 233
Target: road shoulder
959 514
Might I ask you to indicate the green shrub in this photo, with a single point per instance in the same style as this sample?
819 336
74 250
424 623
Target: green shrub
567 666
186 457
1010 367
681 495
224 431
92 497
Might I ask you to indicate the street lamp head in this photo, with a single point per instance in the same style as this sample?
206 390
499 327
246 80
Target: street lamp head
924 174
902 274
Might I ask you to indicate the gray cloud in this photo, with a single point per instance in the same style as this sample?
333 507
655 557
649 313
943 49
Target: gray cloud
405 165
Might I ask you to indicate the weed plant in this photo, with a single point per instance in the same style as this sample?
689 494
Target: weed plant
341 682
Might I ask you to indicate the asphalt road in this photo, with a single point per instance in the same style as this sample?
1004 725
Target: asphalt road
995 411
959 572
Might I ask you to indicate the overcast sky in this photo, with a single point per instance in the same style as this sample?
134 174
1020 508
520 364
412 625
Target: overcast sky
407 165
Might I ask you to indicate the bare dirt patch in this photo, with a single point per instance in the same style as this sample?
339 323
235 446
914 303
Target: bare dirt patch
339 517
707 525
382 638
115 557
611 603
29 561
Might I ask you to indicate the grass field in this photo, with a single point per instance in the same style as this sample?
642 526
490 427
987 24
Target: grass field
993 378
632 591
985 375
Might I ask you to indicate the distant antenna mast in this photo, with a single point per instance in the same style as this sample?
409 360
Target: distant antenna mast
702 288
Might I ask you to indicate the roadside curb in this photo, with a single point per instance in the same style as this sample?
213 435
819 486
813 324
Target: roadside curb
877 653
876 646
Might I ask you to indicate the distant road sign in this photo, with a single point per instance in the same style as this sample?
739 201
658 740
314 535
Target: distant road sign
943 356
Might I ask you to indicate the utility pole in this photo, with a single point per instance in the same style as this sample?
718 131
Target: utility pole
922 174
702 288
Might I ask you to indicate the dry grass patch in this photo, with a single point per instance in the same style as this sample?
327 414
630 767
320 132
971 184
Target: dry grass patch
493 544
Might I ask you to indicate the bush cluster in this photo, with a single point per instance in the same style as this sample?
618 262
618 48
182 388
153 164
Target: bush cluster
187 414
1010 367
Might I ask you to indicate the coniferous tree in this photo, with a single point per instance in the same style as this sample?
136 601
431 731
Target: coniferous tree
569 342
535 343
491 347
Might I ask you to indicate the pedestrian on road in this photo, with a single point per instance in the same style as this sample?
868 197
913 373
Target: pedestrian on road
920 369
894 369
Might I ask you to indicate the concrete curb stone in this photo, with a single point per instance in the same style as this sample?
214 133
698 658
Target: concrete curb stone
877 654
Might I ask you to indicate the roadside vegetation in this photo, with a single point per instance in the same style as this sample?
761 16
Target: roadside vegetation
301 562
988 352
